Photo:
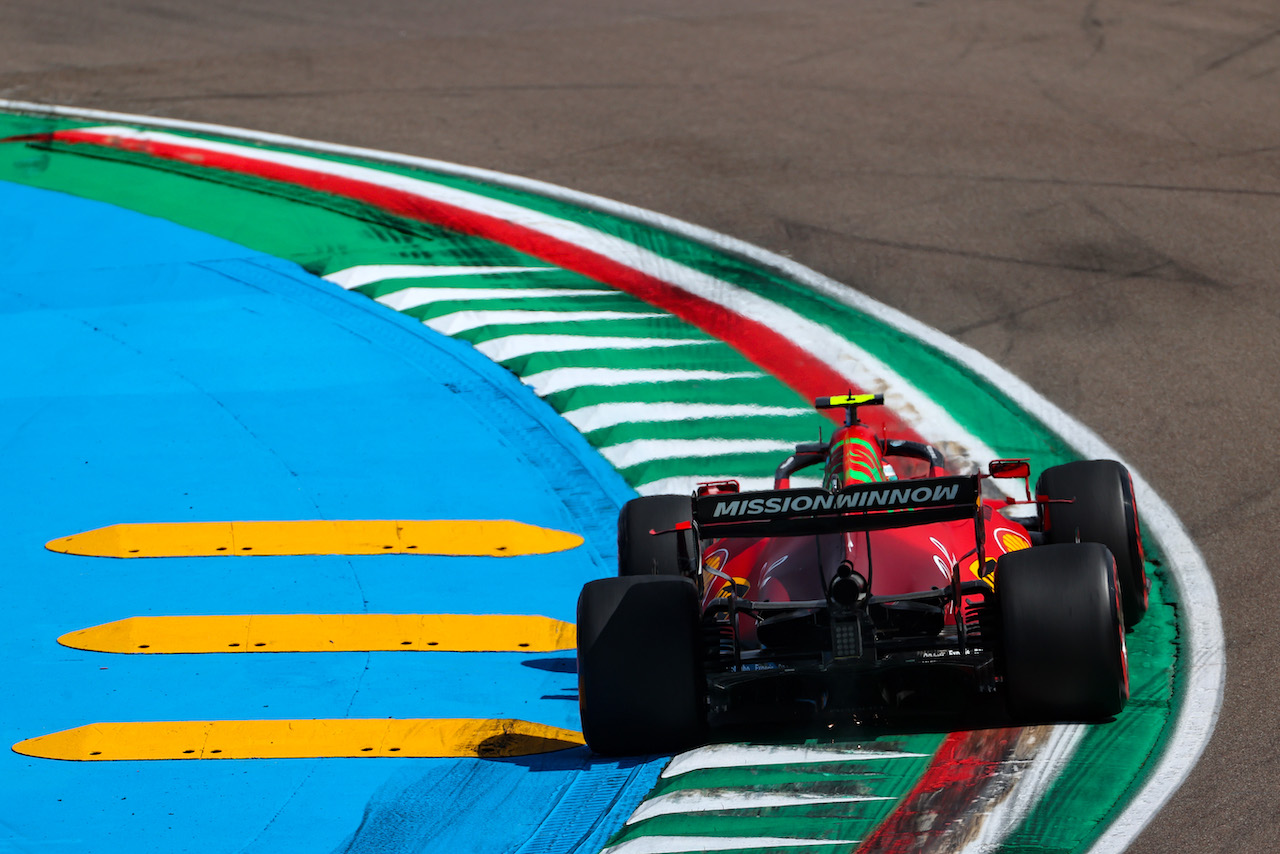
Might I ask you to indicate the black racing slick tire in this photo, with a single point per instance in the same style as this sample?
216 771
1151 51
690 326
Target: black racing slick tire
1061 650
641 687
1101 510
648 542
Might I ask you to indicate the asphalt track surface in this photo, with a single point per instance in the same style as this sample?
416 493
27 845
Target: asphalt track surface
1085 192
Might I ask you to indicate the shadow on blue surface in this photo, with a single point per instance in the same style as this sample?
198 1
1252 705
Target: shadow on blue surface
552 665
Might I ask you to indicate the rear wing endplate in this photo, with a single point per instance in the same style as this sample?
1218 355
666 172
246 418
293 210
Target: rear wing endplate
864 507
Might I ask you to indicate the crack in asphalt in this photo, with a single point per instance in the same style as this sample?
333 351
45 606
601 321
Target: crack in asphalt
1026 308
1246 48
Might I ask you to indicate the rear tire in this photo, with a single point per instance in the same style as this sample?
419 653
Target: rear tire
1103 512
641 687
669 553
1062 640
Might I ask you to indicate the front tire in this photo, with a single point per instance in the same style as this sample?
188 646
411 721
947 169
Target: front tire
641 687
1102 510
1062 645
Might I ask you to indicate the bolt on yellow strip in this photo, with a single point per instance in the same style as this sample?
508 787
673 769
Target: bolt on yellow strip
467 537
327 633
299 739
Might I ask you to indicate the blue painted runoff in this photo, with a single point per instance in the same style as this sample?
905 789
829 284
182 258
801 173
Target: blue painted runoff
156 374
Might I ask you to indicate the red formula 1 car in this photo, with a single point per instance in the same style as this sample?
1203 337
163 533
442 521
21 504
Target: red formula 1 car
894 587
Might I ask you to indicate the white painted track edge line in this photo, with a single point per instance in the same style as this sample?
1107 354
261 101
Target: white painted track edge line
1205 681
1206 674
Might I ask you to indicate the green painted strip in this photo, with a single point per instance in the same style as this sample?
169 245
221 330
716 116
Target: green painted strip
321 233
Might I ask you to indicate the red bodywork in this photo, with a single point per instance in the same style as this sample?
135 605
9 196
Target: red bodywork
895 560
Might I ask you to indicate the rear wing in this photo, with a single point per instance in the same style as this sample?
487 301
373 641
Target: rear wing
864 507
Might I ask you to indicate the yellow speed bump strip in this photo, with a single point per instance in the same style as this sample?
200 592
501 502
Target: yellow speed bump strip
299 739
327 633
467 537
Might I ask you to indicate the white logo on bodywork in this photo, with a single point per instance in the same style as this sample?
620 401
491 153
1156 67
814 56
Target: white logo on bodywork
944 561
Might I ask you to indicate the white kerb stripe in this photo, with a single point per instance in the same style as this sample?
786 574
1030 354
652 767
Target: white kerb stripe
647 450
461 321
693 844
754 755
515 346
603 415
560 379
367 274
723 800
414 297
